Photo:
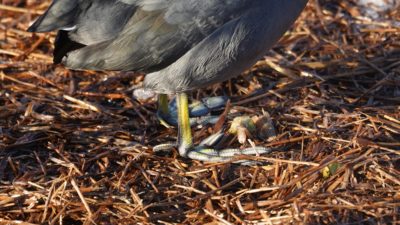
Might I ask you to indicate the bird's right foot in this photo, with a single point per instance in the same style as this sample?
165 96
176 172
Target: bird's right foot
205 150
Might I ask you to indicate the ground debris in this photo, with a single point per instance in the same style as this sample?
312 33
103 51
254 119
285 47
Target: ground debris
76 147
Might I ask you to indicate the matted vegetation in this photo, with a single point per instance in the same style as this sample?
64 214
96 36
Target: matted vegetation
76 148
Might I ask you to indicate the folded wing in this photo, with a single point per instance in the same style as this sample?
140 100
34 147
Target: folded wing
140 35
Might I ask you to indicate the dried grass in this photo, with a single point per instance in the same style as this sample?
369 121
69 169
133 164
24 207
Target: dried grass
75 148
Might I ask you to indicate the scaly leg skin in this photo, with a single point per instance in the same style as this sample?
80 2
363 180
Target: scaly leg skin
163 112
203 152
185 139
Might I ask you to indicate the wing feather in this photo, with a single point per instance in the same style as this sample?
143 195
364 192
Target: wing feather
143 35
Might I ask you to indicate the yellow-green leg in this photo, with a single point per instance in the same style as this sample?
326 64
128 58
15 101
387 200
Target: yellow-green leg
163 104
163 109
185 132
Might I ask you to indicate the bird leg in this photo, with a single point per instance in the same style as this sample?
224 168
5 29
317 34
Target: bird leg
163 104
184 130
163 112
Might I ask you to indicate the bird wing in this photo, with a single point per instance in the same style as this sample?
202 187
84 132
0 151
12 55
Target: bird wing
143 35
88 21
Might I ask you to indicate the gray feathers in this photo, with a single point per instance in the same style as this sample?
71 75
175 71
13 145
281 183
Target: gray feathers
59 15
94 21
186 43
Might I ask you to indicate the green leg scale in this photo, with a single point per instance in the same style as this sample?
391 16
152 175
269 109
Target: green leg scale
185 132
163 110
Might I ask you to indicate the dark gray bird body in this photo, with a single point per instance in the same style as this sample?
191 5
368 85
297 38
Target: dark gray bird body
182 44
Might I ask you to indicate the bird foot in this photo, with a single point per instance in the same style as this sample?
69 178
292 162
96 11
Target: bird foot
206 153
205 150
